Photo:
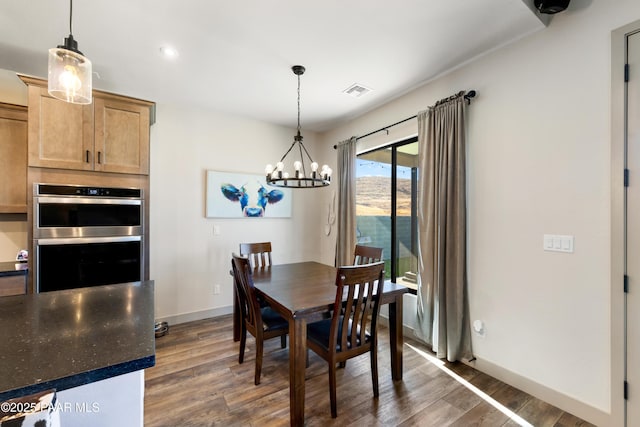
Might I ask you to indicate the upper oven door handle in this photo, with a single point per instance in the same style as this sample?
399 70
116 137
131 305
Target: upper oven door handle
86 201
85 240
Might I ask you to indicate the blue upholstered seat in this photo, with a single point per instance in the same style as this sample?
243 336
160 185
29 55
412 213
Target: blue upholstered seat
318 332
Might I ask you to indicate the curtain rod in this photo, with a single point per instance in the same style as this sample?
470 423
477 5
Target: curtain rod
467 96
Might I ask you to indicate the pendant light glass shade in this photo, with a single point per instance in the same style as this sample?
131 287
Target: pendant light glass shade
69 71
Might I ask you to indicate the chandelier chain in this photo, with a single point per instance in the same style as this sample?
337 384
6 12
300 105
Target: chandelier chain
298 104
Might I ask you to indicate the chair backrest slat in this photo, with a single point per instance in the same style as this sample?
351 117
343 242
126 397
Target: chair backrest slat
357 302
259 254
366 255
248 300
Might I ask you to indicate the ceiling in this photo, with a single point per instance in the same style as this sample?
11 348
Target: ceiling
236 56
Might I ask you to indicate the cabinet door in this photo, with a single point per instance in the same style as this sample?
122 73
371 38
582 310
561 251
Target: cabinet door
12 285
121 136
13 159
60 133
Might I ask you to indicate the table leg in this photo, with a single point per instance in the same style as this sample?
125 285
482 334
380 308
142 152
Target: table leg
297 365
396 339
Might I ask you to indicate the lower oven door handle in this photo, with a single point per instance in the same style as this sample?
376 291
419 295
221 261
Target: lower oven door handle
85 201
84 240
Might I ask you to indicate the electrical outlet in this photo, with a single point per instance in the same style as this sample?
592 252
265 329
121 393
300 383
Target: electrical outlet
216 289
216 230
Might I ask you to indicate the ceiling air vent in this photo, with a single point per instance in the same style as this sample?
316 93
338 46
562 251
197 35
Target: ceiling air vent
356 90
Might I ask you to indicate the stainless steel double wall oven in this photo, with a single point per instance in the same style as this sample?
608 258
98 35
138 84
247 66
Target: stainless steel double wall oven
86 236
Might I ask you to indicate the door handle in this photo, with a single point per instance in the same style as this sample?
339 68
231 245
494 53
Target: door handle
87 156
99 157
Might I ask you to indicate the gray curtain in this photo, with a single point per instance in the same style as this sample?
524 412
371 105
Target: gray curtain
346 216
443 308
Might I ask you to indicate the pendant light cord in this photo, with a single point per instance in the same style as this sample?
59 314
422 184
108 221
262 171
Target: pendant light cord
70 16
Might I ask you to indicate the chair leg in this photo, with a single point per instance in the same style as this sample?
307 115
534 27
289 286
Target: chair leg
332 389
343 365
283 341
259 348
243 343
373 355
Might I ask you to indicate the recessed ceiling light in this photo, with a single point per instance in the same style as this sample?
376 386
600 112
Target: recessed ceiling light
357 90
169 52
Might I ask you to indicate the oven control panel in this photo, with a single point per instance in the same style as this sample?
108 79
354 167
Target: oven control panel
75 190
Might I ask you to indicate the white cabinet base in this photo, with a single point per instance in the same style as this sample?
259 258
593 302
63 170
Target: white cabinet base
117 401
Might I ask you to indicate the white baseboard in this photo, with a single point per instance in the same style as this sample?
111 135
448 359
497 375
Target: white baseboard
566 403
196 315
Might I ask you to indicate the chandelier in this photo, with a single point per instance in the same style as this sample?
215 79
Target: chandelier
306 174
69 70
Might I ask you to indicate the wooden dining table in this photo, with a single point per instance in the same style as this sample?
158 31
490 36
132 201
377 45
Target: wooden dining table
302 292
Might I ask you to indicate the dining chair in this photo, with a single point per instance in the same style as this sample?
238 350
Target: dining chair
262 322
366 255
351 330
259 254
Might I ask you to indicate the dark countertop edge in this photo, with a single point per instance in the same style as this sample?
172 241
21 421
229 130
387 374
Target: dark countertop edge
82 378
13 273
9 269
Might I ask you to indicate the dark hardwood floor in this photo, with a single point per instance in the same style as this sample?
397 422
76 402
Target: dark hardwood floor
197 381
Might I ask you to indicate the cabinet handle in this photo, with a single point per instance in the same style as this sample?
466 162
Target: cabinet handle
99 157
87 155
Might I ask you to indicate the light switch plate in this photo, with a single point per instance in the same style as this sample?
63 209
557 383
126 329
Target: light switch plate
558 243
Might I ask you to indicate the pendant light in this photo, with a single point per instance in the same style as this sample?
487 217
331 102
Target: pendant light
305 173
69 70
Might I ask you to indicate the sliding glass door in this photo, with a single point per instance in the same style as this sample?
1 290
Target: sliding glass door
386 206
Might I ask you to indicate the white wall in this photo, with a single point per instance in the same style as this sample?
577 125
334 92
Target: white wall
13 236
538 155
186 258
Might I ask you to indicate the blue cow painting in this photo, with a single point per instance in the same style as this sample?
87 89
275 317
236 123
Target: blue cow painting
252 196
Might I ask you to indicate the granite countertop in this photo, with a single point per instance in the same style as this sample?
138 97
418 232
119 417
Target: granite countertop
68 338
13 268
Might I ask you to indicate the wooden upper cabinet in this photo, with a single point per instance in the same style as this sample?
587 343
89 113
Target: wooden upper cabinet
60 133
13 158
109 135
121 136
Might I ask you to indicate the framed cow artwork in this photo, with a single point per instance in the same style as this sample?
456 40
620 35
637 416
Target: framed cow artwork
239 195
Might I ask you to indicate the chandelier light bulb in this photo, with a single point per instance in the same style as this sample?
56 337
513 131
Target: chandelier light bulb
69 79
280 166
297 165
314 167
268 169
